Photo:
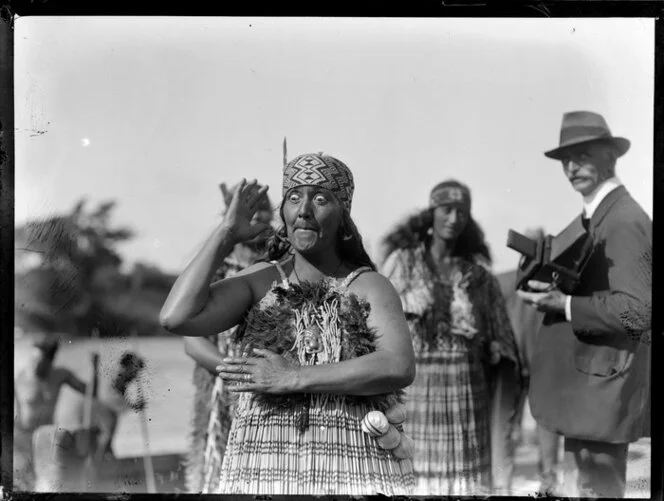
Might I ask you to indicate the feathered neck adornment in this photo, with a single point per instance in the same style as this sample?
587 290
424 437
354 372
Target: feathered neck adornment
313 324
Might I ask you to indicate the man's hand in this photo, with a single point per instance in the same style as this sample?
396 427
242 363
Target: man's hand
545 299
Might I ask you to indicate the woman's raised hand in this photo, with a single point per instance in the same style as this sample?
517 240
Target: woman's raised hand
241 210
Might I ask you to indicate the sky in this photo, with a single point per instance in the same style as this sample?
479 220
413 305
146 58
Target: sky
156 112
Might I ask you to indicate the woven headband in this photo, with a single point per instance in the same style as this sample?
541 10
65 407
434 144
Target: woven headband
316 169
450 195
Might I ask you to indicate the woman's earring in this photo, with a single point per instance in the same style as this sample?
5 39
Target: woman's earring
347 237
430 230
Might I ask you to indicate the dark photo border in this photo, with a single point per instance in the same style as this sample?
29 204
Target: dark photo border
429 8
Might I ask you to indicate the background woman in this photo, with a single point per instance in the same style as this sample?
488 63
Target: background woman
438 262
329 338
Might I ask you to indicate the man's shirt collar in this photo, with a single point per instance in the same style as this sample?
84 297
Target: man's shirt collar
592 201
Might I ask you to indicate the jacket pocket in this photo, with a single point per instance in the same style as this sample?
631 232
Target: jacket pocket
600 361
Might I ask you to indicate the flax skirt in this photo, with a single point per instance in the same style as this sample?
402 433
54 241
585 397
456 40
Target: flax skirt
448 419
268 454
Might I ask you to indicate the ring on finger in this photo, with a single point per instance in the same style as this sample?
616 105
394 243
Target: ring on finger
247 377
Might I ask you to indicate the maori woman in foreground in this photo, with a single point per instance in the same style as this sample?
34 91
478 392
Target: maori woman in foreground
326 339
439 263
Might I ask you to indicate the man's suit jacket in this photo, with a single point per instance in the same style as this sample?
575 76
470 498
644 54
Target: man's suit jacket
590 379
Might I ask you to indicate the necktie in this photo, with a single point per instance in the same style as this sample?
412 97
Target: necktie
585 221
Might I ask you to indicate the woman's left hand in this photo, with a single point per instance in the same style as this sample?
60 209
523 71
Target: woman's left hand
265 372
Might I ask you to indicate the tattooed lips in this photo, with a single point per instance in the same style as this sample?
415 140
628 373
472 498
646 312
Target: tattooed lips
306 231
306 236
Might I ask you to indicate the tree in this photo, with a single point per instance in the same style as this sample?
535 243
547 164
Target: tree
74 268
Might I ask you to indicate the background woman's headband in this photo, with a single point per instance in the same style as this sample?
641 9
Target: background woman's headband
442 195
316 169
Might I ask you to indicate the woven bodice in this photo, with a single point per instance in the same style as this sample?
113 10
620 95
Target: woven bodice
311 324
304 320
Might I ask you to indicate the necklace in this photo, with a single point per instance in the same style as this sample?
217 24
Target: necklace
333 273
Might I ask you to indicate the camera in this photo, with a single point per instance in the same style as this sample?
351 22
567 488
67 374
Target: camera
553 259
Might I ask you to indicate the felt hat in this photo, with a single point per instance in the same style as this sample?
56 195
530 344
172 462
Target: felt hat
580 127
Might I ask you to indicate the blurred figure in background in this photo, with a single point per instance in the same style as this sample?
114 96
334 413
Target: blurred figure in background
112 401
507 419
75 453
36 392
213 404
439 264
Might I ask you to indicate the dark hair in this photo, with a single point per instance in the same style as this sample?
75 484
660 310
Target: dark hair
130 360
415 231
349 242
49 346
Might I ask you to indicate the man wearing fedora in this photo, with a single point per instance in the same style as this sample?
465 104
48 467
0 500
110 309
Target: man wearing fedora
590 373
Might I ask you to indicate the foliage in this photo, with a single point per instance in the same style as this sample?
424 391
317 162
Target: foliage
68 277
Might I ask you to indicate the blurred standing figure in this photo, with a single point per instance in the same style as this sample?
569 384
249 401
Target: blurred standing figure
591 362
213 404
439 264
69 454
525 324
111 402
36 392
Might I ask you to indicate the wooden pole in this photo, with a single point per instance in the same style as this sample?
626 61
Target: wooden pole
147 458
89 474
92 388
150 483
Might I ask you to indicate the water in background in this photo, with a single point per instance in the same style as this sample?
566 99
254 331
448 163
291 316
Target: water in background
167 384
